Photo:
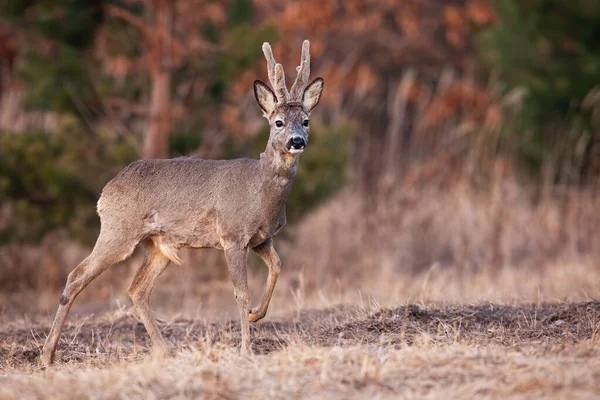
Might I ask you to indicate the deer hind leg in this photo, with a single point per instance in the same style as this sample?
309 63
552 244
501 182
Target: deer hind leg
106 252
266 251
141 288
236 257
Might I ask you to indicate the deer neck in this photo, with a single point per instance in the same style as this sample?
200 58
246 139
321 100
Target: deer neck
278 171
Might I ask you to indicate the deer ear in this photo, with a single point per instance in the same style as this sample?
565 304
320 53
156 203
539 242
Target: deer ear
265 97
312 94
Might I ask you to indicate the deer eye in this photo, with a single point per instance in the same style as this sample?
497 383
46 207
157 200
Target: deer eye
305 123
278 123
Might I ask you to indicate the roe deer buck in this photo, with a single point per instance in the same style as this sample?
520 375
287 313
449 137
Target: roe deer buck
234 205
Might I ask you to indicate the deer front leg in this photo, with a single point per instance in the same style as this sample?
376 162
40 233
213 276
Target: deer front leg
266 251
236 257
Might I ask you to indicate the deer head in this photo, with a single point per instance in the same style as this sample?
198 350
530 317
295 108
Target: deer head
288 112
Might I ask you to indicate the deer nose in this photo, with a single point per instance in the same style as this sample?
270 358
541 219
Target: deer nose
296 143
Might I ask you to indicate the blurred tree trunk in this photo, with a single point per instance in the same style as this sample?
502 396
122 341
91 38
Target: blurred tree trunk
156 137
159 42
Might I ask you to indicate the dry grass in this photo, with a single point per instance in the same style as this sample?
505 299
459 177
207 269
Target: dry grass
436 335
441 332
427 225
341 352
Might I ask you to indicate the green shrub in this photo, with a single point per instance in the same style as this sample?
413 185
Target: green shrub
52 181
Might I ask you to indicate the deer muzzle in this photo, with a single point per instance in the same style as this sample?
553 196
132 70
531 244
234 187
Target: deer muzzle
296 144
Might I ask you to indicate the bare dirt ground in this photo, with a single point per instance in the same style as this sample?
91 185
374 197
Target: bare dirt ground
489 350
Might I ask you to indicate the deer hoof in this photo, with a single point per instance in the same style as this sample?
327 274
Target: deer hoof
254 316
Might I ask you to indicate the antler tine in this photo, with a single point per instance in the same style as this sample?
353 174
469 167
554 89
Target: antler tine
279 86
266 47
276 74
303 73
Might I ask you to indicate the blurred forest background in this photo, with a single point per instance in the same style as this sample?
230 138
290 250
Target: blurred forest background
457 135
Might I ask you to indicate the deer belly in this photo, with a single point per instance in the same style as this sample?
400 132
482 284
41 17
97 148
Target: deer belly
191 232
